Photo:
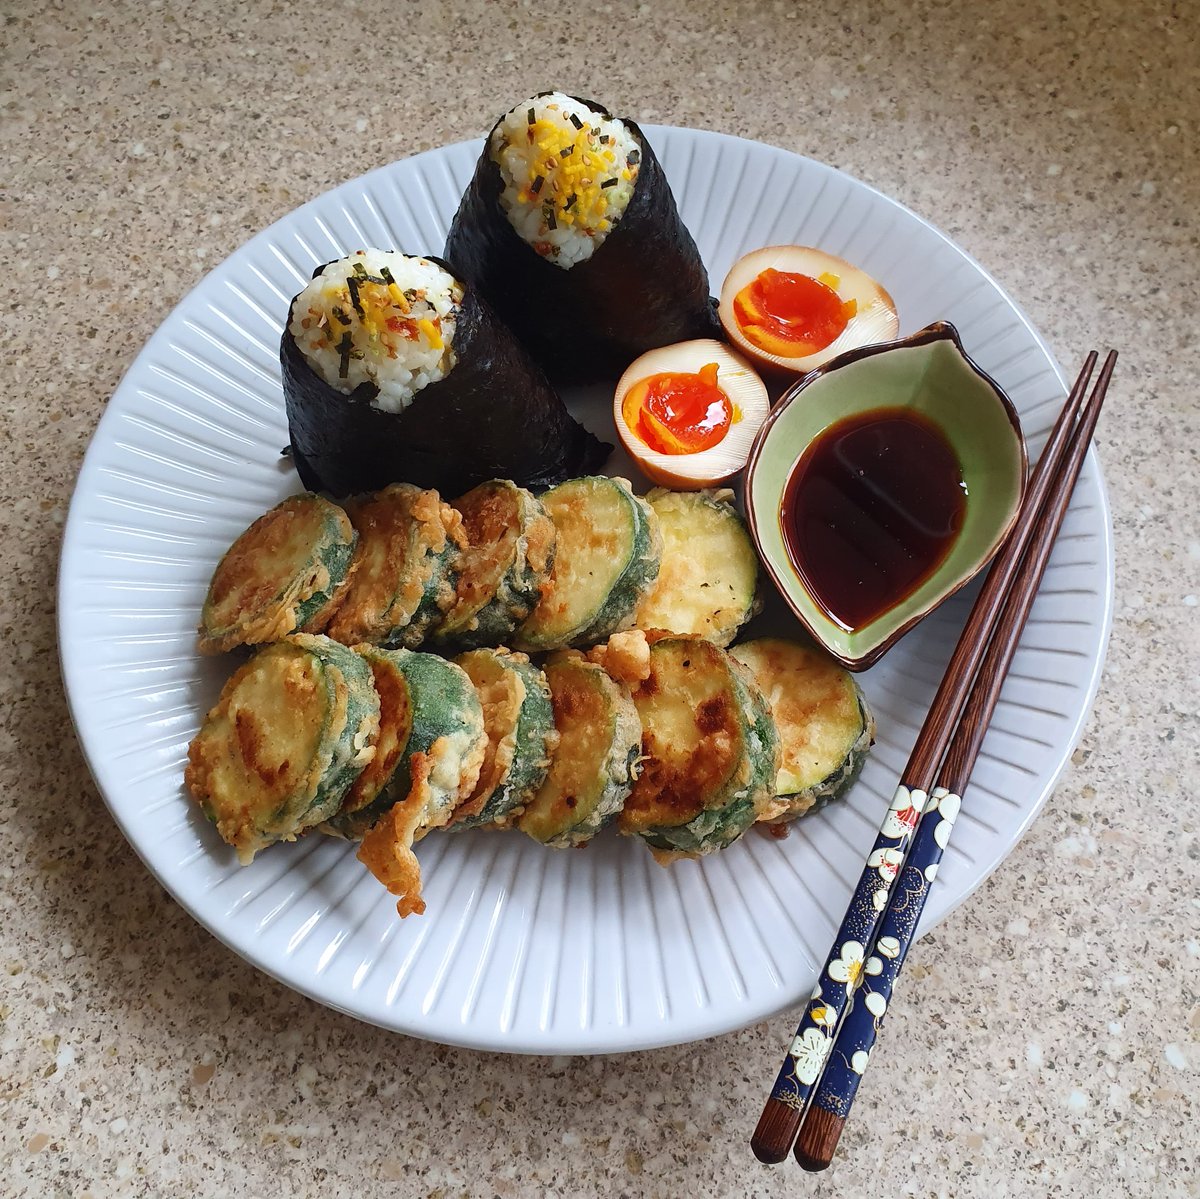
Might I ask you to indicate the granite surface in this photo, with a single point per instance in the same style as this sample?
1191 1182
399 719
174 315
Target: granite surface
1057 1051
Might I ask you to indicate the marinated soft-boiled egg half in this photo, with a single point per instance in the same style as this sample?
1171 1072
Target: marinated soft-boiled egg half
687 413
795 307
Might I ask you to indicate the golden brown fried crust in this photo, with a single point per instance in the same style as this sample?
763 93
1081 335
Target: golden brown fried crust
394 527
674 777
395 720
501 698
386 850
244 605
234 771
489 523
625 657
541 535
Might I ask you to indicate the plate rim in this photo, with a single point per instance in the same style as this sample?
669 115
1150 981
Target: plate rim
731 1020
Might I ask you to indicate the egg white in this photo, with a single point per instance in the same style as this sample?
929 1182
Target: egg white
875 321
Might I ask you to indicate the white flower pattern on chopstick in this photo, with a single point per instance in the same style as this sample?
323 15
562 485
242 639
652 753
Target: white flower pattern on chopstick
847 967
887 862
904 812
859 1060
948 805
808 1052
876 1004
888 946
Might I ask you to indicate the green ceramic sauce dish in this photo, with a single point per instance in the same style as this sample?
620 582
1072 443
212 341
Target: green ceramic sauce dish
925 379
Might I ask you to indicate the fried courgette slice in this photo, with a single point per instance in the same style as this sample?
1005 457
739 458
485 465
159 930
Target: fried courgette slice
707 585
825 727
607 556
284 574
501 572
404 580
292 730
599 744
431 704
710 751
519 722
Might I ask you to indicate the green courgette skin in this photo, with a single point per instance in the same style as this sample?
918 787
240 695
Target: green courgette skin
733 720
633 574
444 706
434 601
708 584
403 573
362 723
519 587
618 610
824 722
717 827
254 780
613 773
834 786
532 741
335 558
304 592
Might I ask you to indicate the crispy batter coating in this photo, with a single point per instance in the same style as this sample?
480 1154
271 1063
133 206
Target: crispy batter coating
625 657
386 850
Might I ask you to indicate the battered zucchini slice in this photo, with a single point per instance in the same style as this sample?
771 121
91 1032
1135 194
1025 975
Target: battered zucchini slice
403 580
436 769
710 751
501 572
292 730
284 574
707 585
825 727
519 722
432 705
600 742
609 547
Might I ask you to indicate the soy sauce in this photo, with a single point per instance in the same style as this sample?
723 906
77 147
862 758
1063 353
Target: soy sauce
871 510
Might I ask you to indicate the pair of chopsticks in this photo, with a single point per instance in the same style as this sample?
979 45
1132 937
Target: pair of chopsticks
820 1074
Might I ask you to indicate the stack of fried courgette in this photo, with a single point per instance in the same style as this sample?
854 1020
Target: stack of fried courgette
338 722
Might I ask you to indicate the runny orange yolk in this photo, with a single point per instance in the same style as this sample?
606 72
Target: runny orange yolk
678 412
791 315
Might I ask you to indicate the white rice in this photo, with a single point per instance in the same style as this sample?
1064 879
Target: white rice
585 182
393 341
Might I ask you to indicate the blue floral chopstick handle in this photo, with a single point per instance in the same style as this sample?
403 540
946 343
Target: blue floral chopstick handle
856 1037
844 971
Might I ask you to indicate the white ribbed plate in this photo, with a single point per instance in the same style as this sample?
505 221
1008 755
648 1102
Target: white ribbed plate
524 949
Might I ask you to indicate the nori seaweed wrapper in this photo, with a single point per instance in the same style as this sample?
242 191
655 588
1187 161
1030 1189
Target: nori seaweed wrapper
493 416
644 286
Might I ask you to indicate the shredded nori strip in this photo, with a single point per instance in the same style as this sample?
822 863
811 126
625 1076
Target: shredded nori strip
575 121
532 117
604 139
570 202
343 348
354 283
388 277
536 185
635 156
341 314
567 152
610 182
551 223
360 270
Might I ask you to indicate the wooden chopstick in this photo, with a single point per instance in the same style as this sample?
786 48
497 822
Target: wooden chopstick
802 1066
855 1039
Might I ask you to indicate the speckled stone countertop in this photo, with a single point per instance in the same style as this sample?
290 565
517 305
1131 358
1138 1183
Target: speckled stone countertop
1058 1049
